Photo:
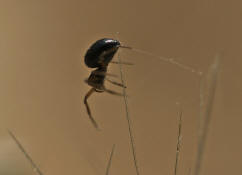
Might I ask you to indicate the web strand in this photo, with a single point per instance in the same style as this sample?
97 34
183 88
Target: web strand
164 59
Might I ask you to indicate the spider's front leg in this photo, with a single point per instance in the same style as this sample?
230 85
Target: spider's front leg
115 83
125 63
112 92
89 93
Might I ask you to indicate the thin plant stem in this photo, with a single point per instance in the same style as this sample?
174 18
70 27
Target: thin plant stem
34 166
189 171
178 146
128 118
110 160
206 107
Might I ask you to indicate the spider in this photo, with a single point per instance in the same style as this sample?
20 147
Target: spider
98 56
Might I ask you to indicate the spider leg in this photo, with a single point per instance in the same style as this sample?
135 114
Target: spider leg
116 83
125 63
102 73
126 47
112 92
88 108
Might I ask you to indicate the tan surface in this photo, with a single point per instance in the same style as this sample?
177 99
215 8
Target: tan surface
42 86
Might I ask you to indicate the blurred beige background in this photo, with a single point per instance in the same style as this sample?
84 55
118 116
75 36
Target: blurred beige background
42 44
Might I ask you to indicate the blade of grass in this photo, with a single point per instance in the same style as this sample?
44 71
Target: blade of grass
206 106
189 171
128 118
110 160
178 146
34 166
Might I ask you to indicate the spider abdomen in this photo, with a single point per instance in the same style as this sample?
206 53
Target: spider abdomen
101 52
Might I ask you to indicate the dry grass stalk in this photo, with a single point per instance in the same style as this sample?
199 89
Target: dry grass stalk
33 164
110 160
207 93
178 146
128 118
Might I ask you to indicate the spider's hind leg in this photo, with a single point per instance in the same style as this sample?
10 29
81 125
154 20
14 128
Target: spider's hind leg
89 93
103 73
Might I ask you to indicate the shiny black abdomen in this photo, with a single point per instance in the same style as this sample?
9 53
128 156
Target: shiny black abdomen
92 57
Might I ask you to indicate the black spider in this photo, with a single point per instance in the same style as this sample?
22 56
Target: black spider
98 56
